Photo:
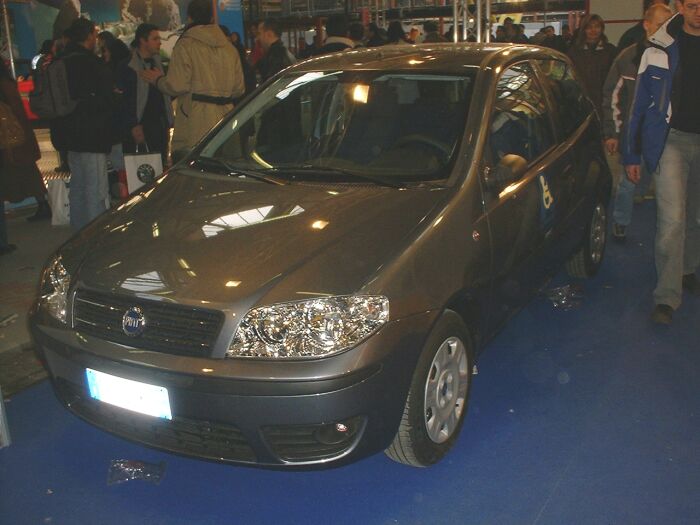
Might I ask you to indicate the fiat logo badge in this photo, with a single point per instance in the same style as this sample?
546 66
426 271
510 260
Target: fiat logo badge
133 322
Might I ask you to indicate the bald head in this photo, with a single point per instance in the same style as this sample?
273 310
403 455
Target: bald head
655 17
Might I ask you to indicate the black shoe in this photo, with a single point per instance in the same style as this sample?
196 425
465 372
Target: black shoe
9 248
663 314
43 213
691 284
619 232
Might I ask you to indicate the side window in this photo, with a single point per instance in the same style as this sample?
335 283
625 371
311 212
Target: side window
572 105
520 123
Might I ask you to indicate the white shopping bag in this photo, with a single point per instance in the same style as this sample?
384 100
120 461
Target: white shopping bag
59 190
141 169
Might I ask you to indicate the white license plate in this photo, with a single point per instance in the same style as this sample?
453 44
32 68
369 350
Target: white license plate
139 397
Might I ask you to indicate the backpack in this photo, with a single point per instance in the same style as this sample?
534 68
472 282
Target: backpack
51 96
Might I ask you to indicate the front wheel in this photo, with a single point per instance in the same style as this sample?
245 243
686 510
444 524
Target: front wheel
437 401
586 262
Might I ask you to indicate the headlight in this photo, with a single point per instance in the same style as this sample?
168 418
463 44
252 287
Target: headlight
313 328
54 289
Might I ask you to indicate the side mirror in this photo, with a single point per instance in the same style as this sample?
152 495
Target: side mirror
509 169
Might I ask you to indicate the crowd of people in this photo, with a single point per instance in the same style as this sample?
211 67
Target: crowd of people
644 90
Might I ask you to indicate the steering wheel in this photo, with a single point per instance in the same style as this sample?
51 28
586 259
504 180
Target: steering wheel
417 138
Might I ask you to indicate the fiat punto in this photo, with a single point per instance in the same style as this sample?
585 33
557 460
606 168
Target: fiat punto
314 281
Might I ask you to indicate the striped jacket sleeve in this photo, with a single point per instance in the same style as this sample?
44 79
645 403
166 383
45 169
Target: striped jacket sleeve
612 103
632 154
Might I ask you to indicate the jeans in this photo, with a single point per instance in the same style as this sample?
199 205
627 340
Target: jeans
3 226
88 187
677 249
624 197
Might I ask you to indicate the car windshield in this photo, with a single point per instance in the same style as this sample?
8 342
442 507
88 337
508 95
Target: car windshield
347 126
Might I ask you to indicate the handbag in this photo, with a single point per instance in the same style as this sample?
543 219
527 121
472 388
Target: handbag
11 131
142 168
59 191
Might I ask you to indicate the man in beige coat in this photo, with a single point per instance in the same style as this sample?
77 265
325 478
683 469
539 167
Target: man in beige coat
205 75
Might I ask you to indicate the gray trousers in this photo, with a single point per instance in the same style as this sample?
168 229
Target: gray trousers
677 248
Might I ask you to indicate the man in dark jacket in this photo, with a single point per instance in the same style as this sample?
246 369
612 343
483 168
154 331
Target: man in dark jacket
337 35
146 114
86 133
276 57
618 93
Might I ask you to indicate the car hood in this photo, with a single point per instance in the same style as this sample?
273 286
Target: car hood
196 238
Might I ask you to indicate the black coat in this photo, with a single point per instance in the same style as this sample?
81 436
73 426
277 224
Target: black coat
332 48
275 60
90 128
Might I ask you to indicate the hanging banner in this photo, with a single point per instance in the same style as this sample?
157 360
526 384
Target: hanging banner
230 15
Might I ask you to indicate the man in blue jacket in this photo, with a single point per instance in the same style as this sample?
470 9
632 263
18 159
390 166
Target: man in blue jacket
664 129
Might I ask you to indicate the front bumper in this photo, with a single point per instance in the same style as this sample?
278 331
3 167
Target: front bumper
302 413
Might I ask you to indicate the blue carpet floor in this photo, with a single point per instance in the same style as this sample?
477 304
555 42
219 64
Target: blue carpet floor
587 416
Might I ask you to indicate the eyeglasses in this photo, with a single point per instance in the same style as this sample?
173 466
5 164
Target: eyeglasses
692 7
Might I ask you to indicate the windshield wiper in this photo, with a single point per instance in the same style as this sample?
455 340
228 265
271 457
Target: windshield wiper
340 171
232 170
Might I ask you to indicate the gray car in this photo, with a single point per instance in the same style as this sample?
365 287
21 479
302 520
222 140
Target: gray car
313 283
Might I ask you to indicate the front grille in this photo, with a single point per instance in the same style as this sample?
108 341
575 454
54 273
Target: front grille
187 436
304 443
170 328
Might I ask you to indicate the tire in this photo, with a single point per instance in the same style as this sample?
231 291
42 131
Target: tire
437 400
586 262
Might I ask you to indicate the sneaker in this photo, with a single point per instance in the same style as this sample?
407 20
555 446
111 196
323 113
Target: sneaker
691 284
663 314
619 232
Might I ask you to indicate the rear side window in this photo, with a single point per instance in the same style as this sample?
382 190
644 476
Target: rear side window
572 104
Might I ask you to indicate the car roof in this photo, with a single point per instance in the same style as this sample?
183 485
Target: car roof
448 57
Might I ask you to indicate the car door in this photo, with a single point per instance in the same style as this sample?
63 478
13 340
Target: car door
521 204
570 109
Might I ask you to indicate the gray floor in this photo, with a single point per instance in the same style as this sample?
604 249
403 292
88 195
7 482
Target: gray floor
19 279
20 272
